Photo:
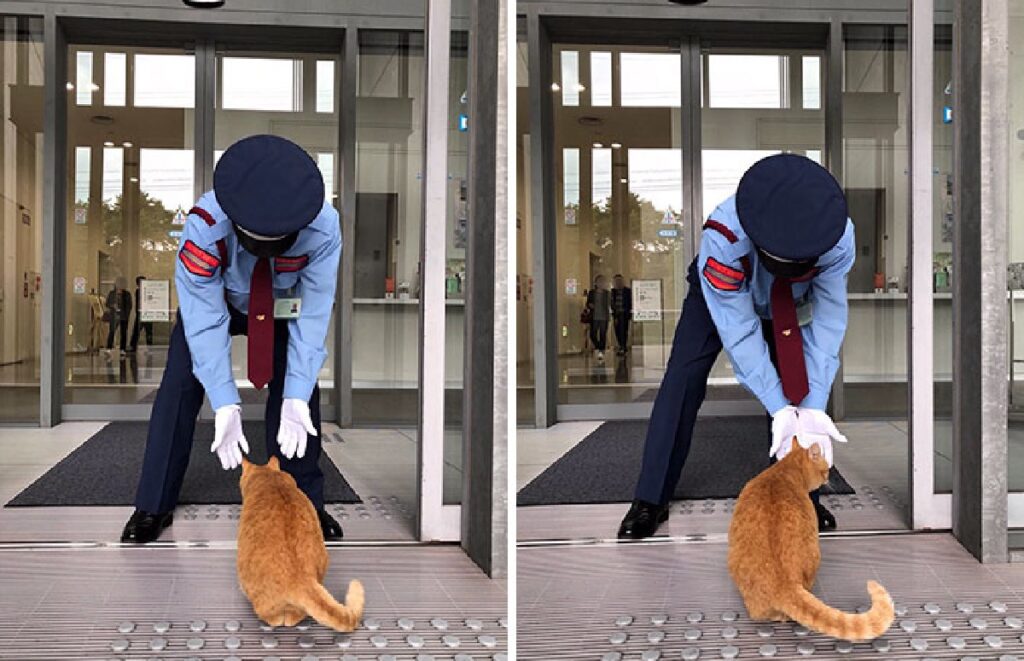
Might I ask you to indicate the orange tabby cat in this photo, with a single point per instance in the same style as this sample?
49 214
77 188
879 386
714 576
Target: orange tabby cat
281 554
774 553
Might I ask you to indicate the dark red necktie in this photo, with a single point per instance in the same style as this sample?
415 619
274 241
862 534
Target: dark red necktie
789 345
261 325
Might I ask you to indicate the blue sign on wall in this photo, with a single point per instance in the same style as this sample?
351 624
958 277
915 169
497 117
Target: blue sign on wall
463 122
668 234
947 115
174 233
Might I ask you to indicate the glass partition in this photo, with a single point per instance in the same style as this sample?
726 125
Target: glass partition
21 164
455 252
389 212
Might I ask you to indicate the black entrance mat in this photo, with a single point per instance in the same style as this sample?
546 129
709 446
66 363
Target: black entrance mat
603 467
105 471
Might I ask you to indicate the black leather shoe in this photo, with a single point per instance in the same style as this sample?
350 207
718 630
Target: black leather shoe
143 527
826 521
642 520
331 528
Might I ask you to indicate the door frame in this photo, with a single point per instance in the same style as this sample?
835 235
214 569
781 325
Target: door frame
435 521
579 24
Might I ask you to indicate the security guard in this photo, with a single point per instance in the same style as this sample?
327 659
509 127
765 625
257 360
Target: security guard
769 285
263 234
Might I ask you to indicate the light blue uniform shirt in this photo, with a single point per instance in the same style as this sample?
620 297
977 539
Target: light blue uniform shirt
204 298
737 313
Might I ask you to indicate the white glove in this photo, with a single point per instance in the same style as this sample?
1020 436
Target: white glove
228 440
817 427
295 425
785 425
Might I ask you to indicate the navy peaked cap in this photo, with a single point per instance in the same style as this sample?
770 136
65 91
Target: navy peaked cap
791 207
268 185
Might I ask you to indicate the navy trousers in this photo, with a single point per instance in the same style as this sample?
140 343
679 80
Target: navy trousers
695 347
173 423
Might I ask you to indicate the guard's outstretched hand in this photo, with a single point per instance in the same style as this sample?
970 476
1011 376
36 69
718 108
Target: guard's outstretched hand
295 425
785 426
817 427
228 440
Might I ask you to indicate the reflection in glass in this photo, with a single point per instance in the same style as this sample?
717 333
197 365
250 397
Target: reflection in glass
570 78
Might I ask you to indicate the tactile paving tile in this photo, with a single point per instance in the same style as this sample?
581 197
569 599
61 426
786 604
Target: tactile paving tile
728 635
378 638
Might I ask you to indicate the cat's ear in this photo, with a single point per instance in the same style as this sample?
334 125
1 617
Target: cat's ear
274 464
814 451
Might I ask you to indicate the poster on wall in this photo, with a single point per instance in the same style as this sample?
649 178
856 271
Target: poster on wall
154 300
78 284
646 300
571 286
570 215
81 216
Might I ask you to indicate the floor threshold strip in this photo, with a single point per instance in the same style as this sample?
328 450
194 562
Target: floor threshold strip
219 545
705 538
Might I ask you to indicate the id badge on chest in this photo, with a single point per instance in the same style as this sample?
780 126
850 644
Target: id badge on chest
287 308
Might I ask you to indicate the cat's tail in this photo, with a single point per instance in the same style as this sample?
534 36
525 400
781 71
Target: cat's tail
814 614
323 608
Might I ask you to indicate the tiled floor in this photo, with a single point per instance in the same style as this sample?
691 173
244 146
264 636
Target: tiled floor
185 603
676 600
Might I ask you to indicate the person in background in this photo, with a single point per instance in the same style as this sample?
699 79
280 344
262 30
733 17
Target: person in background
119 307
599 304
146 326
622 312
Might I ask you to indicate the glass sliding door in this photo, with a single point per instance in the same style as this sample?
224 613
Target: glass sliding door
295 96
131 116
619 218
21 217
754 103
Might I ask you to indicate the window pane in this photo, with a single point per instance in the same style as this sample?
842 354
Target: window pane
600 79
570 78
165 81
113 173
602 177
325 86
84 85
571 183
812 83
745 81
115 79
261 84
650 79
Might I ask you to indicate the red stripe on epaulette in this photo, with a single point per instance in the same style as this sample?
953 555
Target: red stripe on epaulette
222 247
286 264
718 283
193 266
206 257
204 214
712 224
725 270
